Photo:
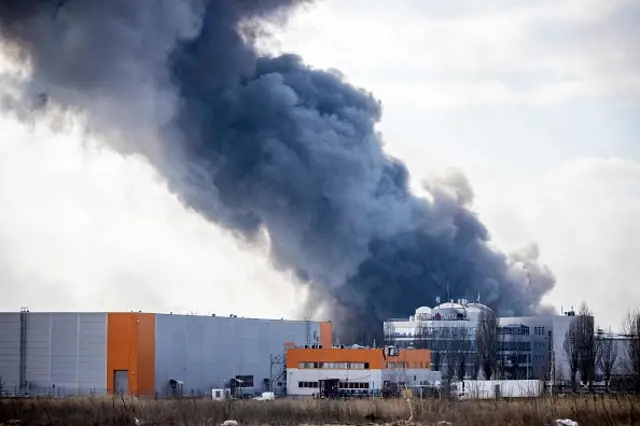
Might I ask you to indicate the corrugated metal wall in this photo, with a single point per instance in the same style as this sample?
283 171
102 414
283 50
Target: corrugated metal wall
205 352
65 352
9 351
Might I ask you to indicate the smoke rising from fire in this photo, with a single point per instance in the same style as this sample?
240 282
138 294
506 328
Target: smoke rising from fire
270 148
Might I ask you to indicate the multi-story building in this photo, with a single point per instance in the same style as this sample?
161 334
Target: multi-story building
528 347
357 370
145 354
448 330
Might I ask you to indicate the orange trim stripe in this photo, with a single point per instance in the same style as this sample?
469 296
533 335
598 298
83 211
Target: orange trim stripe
415 358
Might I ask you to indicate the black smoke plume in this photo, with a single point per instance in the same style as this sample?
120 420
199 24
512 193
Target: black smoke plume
269 148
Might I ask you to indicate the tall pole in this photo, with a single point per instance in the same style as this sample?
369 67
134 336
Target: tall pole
271 372
553 370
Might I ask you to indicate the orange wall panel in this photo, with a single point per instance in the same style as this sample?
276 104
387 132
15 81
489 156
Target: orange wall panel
131 347
326 334
298 355
146 354
415 358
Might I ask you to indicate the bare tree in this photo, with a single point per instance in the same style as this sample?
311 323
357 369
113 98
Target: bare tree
476 367
606 355
586 353
389 332
422 336
457 352
631 329
571 350
579 347
487 343
450 352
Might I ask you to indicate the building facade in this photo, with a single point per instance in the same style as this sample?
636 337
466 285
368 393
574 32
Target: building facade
357 370
529 347
448 330
145 354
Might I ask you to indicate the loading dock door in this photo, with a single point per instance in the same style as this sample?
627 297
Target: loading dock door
121 381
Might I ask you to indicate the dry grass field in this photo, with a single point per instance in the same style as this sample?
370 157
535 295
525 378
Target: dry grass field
597 411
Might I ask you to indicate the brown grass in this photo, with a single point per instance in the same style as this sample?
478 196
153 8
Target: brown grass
600 411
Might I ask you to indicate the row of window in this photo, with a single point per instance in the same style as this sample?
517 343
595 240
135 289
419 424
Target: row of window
397 365
359 365
515 346
458 331
414 364
341 385
336 365
539 345
427 332
519 330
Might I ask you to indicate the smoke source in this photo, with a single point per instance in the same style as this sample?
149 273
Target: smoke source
270 148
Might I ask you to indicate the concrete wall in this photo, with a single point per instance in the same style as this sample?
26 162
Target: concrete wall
206 352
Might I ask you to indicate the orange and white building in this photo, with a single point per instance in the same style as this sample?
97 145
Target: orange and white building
358 370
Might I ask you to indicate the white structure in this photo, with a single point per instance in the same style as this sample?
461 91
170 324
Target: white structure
482 389
446 329
304 382
356 370
529 345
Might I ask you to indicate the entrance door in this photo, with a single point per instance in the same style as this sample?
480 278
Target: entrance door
121 381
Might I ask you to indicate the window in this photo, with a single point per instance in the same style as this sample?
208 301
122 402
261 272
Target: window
335 365
244 381
307 384
353 385
397 365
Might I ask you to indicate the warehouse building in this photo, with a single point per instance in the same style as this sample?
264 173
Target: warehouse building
69 354
356 370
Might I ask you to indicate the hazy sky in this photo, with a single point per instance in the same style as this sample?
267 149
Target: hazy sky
538 103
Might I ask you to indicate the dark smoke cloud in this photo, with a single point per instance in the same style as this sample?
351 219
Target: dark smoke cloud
257 143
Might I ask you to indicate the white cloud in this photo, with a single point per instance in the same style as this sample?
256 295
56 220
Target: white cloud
584 217
82 228
503 53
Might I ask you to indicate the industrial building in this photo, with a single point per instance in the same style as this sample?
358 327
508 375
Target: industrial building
528 346
532 346
67 354
448 330
356 370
